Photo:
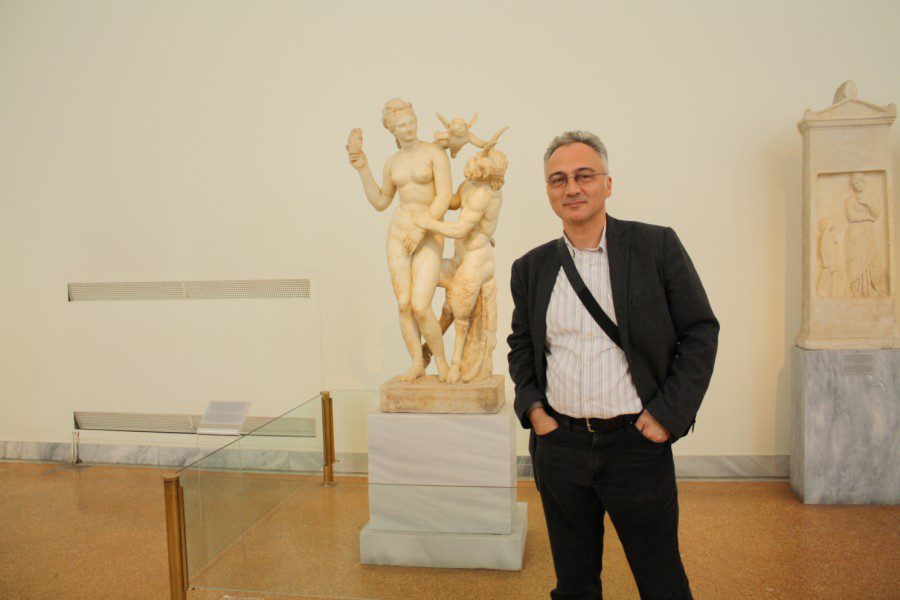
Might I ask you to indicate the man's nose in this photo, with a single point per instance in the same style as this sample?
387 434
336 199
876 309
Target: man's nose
572 187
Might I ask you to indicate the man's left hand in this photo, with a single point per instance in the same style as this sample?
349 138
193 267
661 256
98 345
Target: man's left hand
650 428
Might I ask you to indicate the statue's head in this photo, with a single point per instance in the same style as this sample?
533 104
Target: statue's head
459 127
824 224
488 166
398 117
857 182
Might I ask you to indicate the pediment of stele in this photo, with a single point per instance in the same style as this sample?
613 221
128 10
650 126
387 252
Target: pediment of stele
849 110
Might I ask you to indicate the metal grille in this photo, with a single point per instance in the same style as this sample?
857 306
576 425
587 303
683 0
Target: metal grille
189 290
167 423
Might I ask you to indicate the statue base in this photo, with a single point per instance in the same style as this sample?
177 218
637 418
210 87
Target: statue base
428 395
501 552
442 492
845 446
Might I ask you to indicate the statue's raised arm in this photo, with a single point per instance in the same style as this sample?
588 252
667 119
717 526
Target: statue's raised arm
379 197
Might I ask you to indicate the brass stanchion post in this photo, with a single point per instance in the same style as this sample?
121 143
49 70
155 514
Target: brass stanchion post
328 438
175 536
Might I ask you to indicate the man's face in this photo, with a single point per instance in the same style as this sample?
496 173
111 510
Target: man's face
578 204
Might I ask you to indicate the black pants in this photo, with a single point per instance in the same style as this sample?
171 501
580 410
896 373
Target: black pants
582 475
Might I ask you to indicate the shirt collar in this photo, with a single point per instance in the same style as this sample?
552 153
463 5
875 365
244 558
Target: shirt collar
601 247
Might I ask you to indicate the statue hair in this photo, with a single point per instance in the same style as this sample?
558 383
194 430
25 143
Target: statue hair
492 168
391 112
392 109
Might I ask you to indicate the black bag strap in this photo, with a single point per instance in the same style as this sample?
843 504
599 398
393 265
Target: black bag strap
587 298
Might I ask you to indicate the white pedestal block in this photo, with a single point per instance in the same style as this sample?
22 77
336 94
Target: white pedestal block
442 491
448 550
476 450
442 509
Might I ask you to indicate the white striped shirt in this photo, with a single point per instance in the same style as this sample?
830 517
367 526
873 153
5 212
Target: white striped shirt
587 374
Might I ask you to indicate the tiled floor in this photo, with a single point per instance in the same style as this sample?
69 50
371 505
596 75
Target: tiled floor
98 532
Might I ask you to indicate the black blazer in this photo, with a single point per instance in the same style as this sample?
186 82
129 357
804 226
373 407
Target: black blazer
669 332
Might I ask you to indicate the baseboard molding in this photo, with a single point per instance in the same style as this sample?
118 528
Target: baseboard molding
736 467
686 467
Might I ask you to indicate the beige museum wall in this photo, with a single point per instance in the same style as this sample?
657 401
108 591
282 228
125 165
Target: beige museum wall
171 140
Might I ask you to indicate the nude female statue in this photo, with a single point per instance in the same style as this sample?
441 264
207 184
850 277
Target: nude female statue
420 172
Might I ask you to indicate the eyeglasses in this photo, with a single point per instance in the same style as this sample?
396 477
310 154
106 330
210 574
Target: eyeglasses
581 178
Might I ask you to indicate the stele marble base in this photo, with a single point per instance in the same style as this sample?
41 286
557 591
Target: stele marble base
845 447
446 550
428 395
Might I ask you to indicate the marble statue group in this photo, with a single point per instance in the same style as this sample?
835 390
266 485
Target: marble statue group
419 172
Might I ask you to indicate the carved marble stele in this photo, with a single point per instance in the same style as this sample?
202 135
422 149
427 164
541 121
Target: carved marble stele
419 172
848 246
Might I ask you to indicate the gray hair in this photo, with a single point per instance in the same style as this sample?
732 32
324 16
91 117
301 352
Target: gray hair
578 137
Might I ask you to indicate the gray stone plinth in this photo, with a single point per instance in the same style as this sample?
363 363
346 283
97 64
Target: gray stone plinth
446 550
845 446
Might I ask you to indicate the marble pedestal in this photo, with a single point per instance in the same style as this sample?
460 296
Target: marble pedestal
428 395
442 491
845 429
446 550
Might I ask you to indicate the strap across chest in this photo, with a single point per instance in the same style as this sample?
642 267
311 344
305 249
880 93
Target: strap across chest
584 294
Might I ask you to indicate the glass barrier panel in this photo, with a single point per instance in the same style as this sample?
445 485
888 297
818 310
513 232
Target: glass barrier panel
228 491
371 541
261 521
351 429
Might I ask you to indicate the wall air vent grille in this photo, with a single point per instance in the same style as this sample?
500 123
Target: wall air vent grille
190 290
168 423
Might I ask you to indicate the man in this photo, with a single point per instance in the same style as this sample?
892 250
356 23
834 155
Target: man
603 417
